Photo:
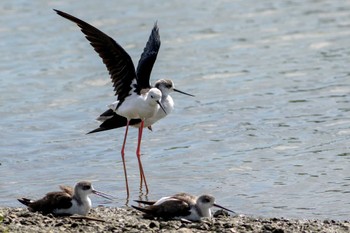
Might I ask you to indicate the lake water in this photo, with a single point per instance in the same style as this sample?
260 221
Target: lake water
267 133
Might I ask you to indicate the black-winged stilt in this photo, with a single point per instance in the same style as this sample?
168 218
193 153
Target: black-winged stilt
111 120
181 206
136 98
69 201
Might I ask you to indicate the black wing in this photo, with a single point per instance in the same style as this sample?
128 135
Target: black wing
51 201
116 59
148 57
167 210
145 202
25 201
56 200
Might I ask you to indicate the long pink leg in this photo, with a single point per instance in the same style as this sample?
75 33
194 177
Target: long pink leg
123 158
138 154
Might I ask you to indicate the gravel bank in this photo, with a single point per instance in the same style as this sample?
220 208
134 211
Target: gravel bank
129 220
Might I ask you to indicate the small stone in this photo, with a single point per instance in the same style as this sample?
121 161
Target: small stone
184 230
220 213
267 228
25 215
62 229
74 225
248 227
59 224
154 224
203 226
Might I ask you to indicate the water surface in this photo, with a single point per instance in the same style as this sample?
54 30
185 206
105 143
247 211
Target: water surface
267 133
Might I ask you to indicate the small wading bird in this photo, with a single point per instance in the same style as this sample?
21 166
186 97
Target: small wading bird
67 201
137 100
180 206
111 120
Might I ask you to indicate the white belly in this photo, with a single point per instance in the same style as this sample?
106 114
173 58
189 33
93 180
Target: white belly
135 107
76 208
168 105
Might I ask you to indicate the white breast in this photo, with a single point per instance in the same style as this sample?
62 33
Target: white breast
135 107
82 209
168 105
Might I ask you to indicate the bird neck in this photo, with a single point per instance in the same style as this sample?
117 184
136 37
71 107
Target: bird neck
81 205
164 96
82 200
203 212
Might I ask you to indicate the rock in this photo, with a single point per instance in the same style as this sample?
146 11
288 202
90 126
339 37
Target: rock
184 230
59 224
74 225
220 213
127 220
154 224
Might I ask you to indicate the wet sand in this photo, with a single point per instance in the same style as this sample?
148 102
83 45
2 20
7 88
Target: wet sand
105 219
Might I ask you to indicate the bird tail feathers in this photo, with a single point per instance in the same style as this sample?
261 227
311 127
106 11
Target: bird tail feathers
145 202
144 210
25 201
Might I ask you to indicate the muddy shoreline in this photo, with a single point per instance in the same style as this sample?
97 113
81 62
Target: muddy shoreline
106 219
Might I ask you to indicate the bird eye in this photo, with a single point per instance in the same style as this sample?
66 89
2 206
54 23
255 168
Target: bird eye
86 187
152 96
206 200
168 86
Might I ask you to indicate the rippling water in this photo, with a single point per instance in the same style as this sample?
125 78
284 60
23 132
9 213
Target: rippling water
267 133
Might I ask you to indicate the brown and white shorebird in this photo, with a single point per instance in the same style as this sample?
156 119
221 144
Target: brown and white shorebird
68 201
181 206
136 99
